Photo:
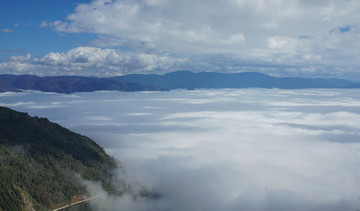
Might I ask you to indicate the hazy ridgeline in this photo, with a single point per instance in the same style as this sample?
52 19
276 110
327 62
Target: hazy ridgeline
249 149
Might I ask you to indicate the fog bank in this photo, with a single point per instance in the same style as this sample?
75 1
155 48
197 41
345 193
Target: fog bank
248 149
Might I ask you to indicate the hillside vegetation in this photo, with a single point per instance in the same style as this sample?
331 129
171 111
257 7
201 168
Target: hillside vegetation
42 163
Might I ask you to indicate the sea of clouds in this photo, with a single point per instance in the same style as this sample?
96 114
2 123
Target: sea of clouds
248 149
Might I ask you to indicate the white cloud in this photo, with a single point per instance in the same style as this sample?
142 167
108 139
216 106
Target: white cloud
144 19
80 56
18 64
21 58
90 61
283 43
261 32
250 149
234 39
278 37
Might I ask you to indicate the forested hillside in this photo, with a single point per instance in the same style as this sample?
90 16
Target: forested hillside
42 163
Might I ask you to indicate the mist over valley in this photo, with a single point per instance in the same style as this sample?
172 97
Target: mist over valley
225 149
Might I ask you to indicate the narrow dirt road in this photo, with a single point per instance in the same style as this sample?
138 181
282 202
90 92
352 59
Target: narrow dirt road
82 201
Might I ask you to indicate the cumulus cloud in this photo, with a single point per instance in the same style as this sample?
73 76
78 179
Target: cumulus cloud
192 19
91 61
275 37
250 149
18 64
21 58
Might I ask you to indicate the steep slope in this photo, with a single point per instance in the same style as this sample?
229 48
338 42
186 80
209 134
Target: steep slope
42 163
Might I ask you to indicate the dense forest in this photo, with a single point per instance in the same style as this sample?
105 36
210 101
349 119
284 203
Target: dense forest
42 164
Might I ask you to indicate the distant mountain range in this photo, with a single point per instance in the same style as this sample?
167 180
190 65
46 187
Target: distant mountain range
169 81
65 84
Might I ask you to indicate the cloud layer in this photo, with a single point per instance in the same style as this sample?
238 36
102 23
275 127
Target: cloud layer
276 37
249 149
302 34
90 61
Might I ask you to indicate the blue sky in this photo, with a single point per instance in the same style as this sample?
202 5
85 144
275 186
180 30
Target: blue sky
22 20
116 37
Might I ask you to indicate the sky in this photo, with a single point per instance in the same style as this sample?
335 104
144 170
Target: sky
240 149
117 37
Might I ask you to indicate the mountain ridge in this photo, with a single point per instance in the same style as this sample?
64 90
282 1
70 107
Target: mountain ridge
182 79
43 165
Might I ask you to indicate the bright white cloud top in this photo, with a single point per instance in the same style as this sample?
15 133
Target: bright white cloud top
250 149
278 37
